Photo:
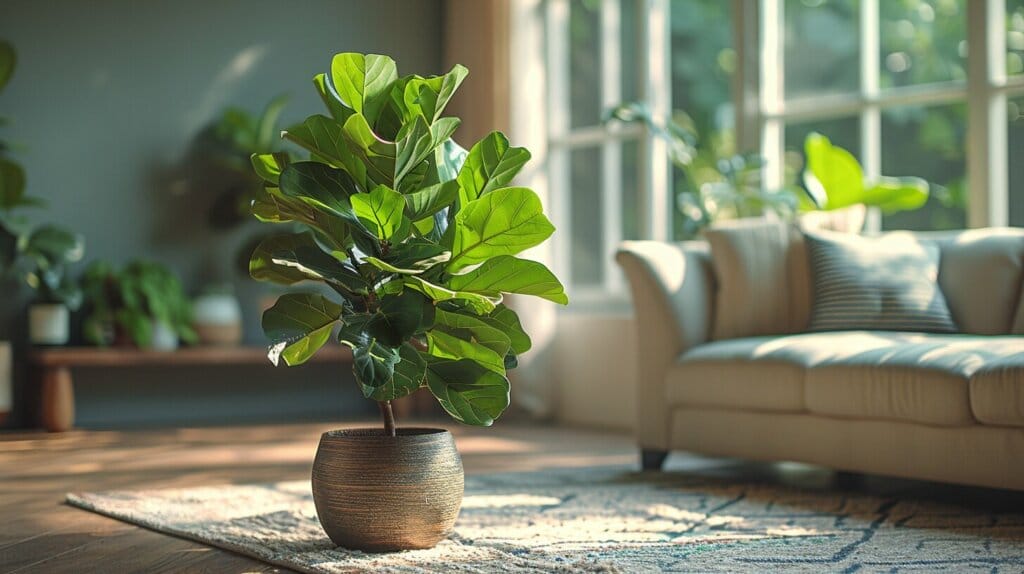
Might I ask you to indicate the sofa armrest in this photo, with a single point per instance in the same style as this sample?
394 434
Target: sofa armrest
673 293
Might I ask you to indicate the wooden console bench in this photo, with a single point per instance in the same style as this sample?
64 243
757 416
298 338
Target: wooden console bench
54 365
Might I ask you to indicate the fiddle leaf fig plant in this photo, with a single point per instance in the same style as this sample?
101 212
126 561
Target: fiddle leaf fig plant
415 238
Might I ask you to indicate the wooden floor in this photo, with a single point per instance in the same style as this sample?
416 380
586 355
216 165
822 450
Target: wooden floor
38 533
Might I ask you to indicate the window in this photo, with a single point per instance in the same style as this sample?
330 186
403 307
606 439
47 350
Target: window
893 81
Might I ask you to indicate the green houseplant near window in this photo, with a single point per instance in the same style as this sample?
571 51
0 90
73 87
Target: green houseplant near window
415 240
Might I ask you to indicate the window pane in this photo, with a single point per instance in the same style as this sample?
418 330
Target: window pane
822 47
631 64
1015 112
1015 37
585 207
584 62
923 41
703 61
843 132
928 143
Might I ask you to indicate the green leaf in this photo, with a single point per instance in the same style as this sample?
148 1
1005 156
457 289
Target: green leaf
12 184
502 222
8 60
832 177
375 154
288 259
429 96
272 206
480 304
398 318
52 246
381 211
416 254
430 200
373 365
335 106
506 319
269 165
446 346
469 392
893 194
299 324
473 329
320 186
491 164
420 143
364 82
410 374
415 269
325 138
507 274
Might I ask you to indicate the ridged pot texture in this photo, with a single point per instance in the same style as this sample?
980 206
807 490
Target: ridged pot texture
379 493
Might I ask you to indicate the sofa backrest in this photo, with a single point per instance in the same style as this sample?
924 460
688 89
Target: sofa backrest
980 273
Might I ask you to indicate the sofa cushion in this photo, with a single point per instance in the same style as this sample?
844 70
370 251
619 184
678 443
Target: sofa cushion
997 390
888 283
763 284
752 373
914 377
980 275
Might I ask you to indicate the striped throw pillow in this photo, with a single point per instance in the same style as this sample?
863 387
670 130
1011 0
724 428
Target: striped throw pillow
888 283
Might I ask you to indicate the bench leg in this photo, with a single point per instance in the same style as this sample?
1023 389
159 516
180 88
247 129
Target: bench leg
58 399
652 459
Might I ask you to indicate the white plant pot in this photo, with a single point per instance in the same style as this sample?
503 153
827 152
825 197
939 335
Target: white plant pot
49 324
217 319
164 338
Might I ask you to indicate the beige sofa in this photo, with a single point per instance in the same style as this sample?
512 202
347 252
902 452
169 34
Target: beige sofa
925 406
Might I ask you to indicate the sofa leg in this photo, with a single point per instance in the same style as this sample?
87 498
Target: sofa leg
652 459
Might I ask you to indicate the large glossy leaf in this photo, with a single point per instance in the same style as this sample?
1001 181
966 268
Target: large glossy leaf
416 254
373 365
364 82
480 304
469 392
272 206
503 222
269 166
381 211
507 274
832 176
290 258
324 137
420 143
377 155
446 346
410 374
491 164
321 186
299 324
893 194
429 96
338 110
508 321
474 329
414 269
398 317
51 245
430 200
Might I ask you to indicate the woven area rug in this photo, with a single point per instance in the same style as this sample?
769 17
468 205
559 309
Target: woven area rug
603 521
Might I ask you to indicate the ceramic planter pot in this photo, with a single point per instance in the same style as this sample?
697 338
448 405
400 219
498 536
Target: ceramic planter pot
217 319
49 324
377 493
164 338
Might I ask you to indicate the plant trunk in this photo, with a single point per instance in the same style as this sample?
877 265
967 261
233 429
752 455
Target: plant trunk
389 417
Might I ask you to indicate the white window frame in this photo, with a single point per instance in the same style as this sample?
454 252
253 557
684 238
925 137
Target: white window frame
985 94
762 113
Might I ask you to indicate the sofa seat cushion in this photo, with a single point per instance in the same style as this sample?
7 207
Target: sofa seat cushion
997 389
923 378
757 373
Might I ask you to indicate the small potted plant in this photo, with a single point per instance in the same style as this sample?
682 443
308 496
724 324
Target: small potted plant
415 240
36 255
142 304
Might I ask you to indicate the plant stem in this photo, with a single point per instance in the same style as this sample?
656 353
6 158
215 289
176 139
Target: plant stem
389 417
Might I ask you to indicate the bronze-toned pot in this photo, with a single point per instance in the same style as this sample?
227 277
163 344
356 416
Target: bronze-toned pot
379 493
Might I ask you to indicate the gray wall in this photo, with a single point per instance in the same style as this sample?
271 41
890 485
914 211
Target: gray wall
108 95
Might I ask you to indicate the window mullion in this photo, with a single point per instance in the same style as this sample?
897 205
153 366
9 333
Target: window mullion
871 114
611 150
772 81
657 92
987 169
557 33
